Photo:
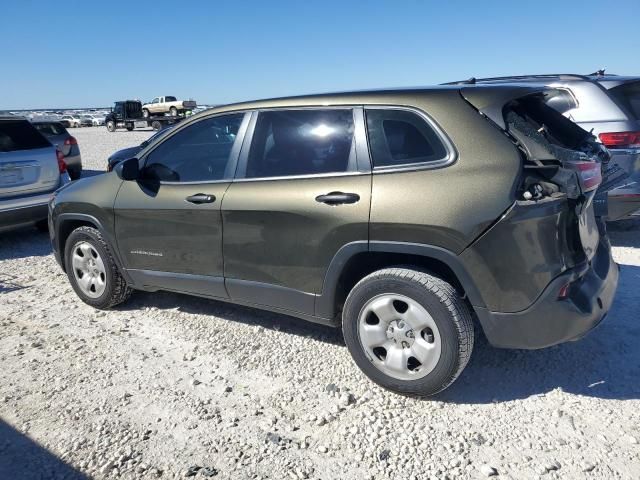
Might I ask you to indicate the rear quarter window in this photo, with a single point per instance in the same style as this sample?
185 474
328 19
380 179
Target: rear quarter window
628 95
400 137
50 128
20 135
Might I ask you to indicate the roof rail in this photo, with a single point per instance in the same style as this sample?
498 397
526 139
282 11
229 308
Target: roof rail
473 80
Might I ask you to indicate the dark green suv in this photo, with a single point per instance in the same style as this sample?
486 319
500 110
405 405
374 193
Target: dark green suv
402 215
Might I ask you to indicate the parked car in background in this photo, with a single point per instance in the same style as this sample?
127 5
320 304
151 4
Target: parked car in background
130 152
609 107
86 121
58 135
31 168
167 104
97 120
396 214
70 121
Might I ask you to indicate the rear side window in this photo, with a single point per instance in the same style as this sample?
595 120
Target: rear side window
50 128
170 99
301 142
20 135
628 95
400 137
197 153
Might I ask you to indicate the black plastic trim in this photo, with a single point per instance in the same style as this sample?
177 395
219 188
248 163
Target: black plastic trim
151 280
258 293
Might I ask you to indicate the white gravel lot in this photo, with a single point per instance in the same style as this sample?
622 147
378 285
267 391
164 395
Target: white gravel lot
171 386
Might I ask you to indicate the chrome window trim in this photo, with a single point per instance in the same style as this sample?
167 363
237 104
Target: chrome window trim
449 159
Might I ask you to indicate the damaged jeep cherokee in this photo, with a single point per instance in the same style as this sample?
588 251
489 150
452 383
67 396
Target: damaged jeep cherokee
407 217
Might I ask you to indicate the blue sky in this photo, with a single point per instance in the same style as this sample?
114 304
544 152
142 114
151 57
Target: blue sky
86 53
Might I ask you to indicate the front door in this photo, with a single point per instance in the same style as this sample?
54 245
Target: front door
168 223
301 194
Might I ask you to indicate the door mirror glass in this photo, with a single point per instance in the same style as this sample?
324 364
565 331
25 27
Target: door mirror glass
128 169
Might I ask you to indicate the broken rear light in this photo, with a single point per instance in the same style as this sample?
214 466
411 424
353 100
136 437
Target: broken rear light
620 139
590 174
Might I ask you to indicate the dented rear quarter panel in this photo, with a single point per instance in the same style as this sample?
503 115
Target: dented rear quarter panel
451 206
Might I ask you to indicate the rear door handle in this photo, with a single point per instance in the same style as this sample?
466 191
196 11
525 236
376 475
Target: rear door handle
201 198
338 198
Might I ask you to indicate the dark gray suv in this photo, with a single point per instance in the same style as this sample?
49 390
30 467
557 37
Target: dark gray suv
404 216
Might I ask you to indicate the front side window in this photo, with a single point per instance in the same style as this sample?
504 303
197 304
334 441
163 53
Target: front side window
301 142
197 153
400 137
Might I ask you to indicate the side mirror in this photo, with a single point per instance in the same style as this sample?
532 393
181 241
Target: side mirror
128 169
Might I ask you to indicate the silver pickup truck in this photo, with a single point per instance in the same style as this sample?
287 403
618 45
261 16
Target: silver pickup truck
31 169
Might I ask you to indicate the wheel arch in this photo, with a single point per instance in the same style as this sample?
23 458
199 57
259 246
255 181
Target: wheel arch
68 222
356 260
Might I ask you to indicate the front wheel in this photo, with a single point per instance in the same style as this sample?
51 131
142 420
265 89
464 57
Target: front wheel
145 113
408 331
111 126
92 271
173 111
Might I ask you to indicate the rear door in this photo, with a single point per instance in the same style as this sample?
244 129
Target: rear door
28 162
168 224
302 192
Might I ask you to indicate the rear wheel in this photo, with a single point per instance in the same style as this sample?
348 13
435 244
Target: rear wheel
156 125
129 126
408 331
111 126
173 111
92 271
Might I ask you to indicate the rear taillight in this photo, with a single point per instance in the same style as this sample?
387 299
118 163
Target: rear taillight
71 141
590 174
620 139
62 165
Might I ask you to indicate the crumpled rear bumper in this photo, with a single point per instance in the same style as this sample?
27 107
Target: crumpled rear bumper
550 320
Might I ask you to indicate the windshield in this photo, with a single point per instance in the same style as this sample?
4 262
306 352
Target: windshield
628 95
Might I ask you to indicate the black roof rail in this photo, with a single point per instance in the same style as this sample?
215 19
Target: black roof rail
473 80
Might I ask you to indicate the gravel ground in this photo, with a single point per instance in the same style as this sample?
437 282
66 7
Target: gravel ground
170 386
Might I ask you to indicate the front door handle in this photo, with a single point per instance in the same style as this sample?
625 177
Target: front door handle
201 198
338 198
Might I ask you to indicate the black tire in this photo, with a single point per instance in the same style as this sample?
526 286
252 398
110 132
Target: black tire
74 173
111 126
145 113
129 127
448 310
173 111
156 125
117 290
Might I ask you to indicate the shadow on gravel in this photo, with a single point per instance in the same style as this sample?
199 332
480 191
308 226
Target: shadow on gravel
604 364
8 284
233 313
22 458
26 242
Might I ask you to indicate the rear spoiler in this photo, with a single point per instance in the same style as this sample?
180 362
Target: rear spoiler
491 99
